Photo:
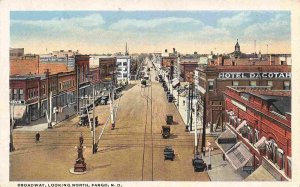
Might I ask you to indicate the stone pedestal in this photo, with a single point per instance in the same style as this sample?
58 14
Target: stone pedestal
80 165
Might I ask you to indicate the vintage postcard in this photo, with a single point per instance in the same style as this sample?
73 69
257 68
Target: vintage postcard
127 95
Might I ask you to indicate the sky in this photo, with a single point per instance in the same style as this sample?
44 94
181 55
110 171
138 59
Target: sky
151 31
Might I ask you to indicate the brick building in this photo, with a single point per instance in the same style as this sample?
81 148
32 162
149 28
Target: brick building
31 64
24 65
107 66
24 96
16 52
187 68
261 121
166 61
212 81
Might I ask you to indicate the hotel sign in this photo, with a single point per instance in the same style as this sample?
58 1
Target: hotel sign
255 75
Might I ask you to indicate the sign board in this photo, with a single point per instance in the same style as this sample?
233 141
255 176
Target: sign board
255 75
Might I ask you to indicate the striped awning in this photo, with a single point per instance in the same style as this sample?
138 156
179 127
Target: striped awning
244 122
18 111
238 155
261 142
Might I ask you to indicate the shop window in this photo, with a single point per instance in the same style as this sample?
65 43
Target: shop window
252 83
286 85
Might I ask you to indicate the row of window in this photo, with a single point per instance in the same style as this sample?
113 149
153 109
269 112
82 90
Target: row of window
286 84
67 84
18 94
32 93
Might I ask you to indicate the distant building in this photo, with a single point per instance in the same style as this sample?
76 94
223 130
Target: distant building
16 52
123 69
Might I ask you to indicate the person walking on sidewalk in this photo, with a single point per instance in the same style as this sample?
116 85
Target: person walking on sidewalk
37 137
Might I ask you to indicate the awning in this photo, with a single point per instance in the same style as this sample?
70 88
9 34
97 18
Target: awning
238 155
244 122
260 174
17 111
226 140
261 142
175 82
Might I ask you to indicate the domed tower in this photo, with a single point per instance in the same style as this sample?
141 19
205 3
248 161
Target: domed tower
237 47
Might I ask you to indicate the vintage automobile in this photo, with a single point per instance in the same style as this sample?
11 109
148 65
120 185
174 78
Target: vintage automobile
83 120
170 98
169 153
198 163
166 131
169 119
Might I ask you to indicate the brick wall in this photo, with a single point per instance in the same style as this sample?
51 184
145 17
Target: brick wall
24 65
54 68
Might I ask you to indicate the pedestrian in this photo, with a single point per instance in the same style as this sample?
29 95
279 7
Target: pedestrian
37 137
224 158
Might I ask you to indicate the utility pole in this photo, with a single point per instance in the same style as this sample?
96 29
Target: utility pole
188 109
50 111
94 128
204 124
191 111
196 133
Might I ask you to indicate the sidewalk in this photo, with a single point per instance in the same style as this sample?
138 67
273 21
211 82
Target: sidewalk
41 123
182 109
222 170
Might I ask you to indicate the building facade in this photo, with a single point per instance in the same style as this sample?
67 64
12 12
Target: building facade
261 120
213 80
123 69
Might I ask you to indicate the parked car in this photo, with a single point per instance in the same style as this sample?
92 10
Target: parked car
169 153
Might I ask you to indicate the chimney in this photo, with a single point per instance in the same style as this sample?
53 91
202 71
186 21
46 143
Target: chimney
174 50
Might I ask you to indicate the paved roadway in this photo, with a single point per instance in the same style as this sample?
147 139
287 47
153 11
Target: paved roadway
131 152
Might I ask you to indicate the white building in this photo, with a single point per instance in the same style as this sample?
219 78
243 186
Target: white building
123 69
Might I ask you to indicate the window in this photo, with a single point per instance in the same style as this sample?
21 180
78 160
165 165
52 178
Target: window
60 86
15 94
270 83
252 83
210 85
21 94
235 83
286 85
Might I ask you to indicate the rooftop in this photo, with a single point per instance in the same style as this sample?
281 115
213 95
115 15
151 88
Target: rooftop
24 77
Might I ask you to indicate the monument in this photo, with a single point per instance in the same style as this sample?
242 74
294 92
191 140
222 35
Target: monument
80 165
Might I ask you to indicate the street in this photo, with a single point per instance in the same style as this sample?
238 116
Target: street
133 151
